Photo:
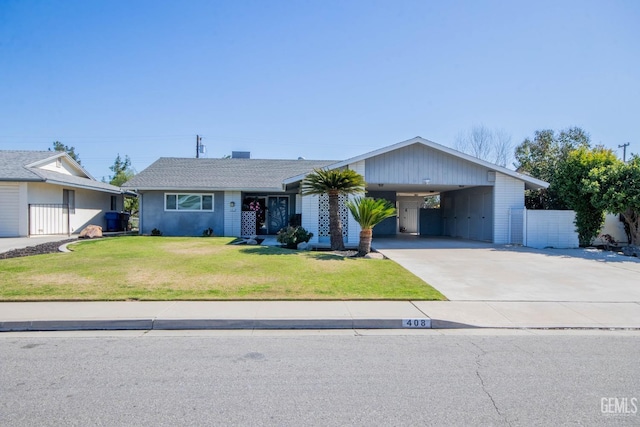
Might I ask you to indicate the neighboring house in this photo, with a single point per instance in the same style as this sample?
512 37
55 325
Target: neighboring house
47 192
243 196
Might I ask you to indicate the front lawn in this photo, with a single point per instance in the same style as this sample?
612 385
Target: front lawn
184 268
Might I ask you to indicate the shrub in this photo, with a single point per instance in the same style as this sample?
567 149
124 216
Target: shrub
295 220
156 232
291 236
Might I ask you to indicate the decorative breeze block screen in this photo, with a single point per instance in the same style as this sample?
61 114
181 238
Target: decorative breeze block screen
248 223
323 215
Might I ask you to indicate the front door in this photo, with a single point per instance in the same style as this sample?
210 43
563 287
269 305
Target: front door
277 213
408 217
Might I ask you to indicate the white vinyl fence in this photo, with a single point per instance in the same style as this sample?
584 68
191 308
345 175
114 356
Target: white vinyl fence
543 228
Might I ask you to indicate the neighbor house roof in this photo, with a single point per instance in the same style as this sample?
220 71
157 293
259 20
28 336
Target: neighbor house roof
171 173
530 182
12 164
22 166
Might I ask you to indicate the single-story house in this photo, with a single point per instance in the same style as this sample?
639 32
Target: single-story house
240 196
47 192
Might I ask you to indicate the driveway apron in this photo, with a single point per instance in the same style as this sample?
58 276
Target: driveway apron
475 271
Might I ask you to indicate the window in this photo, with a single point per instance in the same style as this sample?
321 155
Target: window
114 203
69 199
188 202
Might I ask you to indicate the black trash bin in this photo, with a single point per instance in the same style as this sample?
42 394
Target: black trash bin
113 221
124 221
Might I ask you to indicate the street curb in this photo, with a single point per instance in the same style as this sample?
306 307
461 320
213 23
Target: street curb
193 324
76 325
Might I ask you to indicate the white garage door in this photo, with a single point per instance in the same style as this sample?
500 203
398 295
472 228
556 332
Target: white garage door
9 213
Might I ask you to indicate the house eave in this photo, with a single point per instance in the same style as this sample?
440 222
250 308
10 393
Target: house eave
21 180
219 189
84 187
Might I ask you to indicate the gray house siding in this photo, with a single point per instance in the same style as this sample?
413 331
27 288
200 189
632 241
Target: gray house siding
468 213
176 223
414 163
388 226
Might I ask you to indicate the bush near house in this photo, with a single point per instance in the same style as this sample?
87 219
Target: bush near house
290 237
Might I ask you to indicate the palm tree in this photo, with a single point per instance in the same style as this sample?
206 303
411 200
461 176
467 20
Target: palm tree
369 212
334 183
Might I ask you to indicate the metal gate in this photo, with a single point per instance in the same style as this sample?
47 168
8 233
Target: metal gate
45 219
516 225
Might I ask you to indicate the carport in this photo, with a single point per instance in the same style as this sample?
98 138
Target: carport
478 200
461 212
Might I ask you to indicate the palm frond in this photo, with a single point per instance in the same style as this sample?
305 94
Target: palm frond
322 181
368 212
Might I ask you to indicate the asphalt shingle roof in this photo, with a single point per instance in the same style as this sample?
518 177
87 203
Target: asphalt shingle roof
12 164
13 167
171 173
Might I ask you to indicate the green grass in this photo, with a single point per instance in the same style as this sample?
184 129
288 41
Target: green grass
177 268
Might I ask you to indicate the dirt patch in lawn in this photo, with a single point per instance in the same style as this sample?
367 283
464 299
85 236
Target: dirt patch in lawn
60 279
193 249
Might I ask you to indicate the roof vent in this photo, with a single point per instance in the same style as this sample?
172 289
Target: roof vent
241 154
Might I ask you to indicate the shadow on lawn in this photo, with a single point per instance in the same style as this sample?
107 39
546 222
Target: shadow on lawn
270 250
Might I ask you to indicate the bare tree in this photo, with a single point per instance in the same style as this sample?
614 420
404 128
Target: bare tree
502 147
491 145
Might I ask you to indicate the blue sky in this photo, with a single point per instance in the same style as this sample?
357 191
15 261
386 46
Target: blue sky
319 79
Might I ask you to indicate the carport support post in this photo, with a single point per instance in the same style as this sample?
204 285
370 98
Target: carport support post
524 227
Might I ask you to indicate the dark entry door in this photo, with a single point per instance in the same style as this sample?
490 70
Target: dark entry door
277 213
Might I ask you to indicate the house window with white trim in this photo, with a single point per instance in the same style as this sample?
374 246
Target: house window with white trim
188 202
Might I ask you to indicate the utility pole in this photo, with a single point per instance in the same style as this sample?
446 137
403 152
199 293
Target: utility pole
624 151
198 139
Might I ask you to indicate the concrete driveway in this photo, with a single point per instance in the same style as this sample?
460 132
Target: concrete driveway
474 271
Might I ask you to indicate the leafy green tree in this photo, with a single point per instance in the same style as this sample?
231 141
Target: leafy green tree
123 172
369 212
431 202
71 151
616 189
573 184
334 182
541 157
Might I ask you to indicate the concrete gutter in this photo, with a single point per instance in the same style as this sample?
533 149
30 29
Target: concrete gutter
181 315
49 316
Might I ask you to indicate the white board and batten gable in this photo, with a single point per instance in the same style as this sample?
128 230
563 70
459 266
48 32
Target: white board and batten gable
414 160
61 163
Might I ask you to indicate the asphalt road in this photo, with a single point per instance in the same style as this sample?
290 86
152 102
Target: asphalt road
341 378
